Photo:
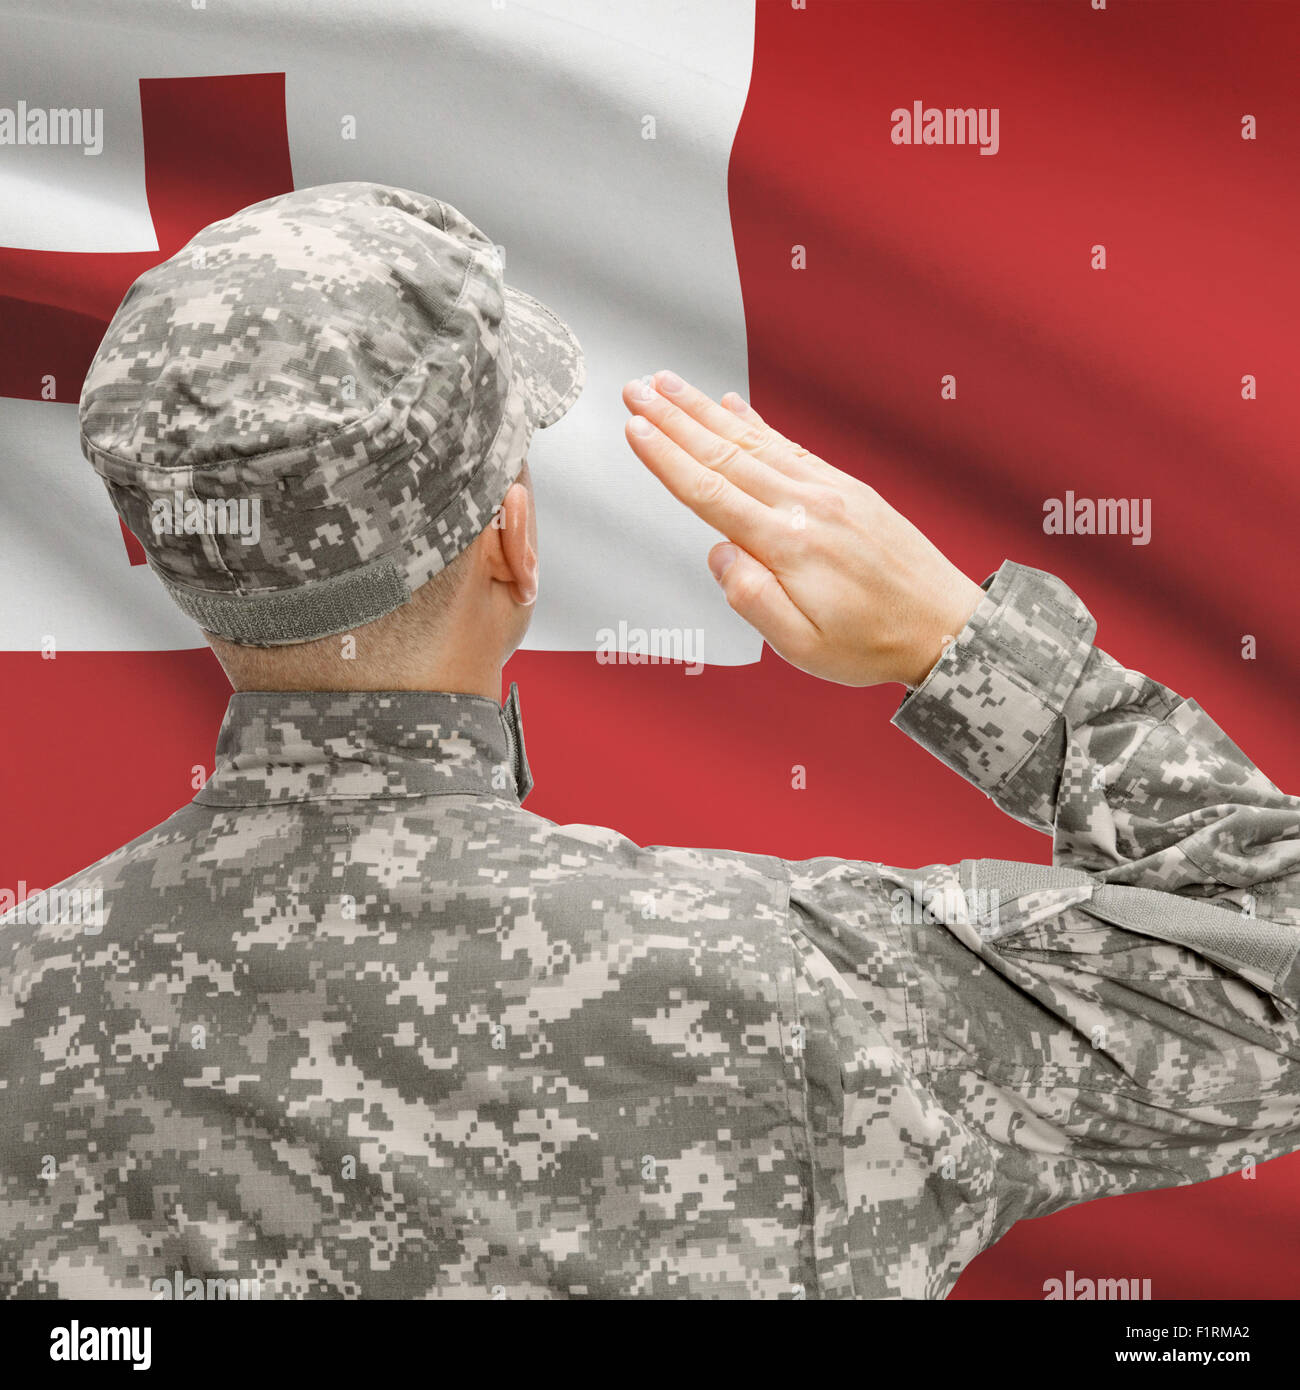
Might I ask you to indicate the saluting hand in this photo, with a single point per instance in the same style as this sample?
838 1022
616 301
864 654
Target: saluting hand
837 582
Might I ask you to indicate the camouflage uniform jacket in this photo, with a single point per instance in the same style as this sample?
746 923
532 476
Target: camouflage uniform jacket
357 1025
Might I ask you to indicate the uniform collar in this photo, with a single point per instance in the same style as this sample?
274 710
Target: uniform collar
342 745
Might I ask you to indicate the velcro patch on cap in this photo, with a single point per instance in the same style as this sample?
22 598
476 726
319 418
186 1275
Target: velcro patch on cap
300 614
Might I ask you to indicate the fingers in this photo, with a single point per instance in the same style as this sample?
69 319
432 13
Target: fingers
720 452
709 494
744 426
806 465
756 594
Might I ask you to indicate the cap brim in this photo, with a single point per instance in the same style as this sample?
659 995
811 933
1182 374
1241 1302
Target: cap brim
546 358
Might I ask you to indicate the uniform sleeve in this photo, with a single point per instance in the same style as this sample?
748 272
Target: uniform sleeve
1131 781
1125 1018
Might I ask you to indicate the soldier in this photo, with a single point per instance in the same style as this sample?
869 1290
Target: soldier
355 1024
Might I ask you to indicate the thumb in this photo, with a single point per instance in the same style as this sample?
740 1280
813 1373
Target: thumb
756 594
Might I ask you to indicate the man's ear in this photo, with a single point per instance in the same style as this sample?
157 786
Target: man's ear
512 557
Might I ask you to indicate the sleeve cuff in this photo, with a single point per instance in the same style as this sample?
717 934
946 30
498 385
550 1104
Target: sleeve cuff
998 691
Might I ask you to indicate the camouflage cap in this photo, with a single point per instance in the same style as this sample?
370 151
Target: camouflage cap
316 404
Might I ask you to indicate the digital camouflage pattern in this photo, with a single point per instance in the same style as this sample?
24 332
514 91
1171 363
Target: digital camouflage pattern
345 364
357 1025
